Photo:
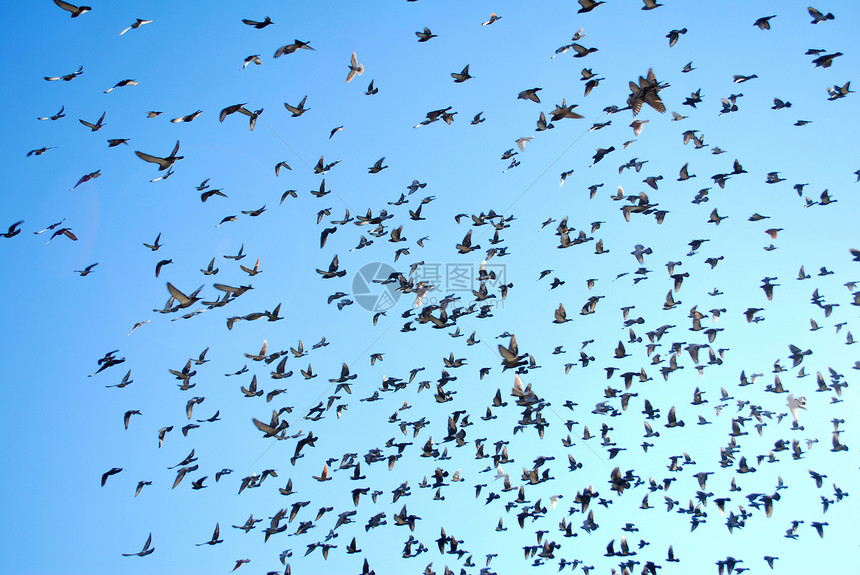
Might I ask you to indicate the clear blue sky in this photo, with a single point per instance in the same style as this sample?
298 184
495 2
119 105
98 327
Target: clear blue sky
62 429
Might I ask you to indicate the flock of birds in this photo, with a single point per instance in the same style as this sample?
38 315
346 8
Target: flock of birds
554 502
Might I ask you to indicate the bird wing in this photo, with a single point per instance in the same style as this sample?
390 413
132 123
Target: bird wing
181 297
146 157
72 8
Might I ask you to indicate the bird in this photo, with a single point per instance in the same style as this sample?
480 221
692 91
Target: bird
108 473
462 76
297 110
291 48
252 59
121 84
161 264
214 540
13 230
740 79
560 315
826 60
763 23
646 92
38 152
147 548
493 18
67 77
377 166
99 124
259 25
521 142
138 22
163 163
75 11
582 51
530 94
184 300
333 270
588 5
837 92
425 35
675 35
188 118
355 69
240 108
87 270
817 17
57 116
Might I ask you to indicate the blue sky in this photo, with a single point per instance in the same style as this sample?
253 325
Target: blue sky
62 429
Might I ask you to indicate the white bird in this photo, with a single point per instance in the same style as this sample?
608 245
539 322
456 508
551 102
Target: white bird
795 403
355 69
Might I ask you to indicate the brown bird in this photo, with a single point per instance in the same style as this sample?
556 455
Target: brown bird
763 23
646 92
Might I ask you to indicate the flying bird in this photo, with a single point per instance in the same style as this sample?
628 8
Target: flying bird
147 549
121 84
67 77
646 92
355 69
163 163
137 24
99 124
290 48
78 10
256 24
